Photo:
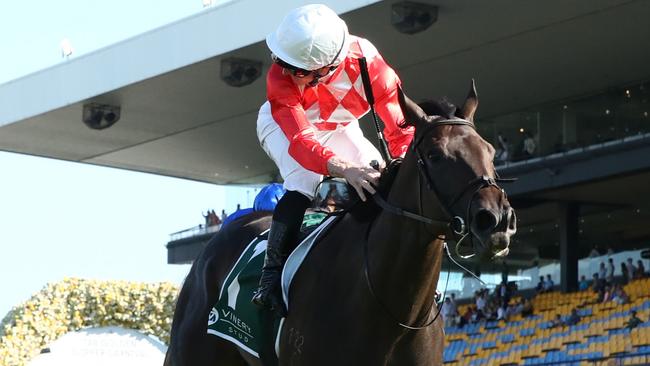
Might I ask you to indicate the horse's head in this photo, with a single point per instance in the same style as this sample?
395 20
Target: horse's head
456 164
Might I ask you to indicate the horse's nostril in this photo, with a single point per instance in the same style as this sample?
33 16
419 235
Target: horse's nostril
512 220
485 220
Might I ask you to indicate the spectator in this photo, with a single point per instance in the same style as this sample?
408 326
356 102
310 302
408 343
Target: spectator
574 318
503 149
610 270
519 308
548 285
514 309
502 312
598 284
557 322
504 293
619 295
467 316
489 310
634 321
540 285
206 217
624 272
610 251
213 218
529 146
602 271
600 287
454 303
527 308
224 215
481 301
448 313
631 269
584 284
477 316
594 253
640 269
607 294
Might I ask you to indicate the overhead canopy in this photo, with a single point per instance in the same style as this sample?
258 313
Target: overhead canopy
180 119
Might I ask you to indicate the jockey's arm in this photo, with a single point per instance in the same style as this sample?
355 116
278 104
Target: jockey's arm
385 84
309 153
289 114
359 177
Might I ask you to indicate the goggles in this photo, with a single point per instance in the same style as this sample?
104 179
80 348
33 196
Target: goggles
302 73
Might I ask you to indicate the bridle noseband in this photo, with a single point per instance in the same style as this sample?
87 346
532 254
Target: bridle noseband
458 225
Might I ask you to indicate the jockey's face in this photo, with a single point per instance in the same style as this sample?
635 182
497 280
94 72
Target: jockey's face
300 81
310 78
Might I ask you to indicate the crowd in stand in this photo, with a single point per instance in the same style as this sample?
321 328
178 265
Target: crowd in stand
487 306
212 219
497 305
603 282
545 285
525 149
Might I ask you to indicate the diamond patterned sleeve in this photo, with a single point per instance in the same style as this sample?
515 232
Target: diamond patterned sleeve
289 114
385 82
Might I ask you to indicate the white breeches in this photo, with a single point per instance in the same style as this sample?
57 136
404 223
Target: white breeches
347 142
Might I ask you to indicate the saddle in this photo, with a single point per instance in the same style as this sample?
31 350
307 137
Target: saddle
335 196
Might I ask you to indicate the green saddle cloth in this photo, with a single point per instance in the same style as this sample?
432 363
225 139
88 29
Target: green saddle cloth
234 317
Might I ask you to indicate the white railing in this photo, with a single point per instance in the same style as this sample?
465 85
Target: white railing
194 231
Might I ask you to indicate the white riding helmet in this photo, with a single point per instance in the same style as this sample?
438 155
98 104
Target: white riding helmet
310 37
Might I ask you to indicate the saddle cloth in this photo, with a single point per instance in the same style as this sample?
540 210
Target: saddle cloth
234 317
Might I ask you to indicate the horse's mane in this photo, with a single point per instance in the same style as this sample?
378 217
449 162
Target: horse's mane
439 107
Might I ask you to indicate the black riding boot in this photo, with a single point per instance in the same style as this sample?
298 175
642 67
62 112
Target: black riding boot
287 218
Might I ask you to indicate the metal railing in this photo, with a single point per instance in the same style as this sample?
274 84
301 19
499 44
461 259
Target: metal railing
194 231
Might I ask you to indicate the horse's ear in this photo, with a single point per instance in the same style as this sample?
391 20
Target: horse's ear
413 114
471 103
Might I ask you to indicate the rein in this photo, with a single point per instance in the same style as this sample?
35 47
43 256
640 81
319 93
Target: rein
456 223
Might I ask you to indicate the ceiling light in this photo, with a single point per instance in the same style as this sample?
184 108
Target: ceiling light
100 116
240 72
410 17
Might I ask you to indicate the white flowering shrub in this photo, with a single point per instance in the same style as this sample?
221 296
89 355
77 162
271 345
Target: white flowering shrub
73 304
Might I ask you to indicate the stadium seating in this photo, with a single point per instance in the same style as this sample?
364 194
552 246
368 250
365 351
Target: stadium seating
598 336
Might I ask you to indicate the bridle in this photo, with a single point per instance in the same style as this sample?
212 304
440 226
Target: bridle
458 225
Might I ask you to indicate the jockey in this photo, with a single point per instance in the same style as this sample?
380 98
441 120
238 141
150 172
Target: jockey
309 125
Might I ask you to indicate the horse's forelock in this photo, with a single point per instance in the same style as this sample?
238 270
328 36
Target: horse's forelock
439 107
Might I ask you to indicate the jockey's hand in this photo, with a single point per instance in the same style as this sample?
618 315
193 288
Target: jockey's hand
360 177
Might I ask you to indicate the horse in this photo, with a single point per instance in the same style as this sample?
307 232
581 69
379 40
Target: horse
365 295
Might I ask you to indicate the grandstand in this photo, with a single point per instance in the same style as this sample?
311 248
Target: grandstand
599 338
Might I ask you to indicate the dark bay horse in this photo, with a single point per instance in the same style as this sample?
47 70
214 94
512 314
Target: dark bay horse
368 281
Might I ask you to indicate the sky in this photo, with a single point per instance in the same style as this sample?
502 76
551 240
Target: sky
60 219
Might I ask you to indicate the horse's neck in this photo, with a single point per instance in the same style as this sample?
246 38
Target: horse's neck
404 254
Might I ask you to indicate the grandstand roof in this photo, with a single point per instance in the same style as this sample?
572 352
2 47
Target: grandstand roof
179 119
